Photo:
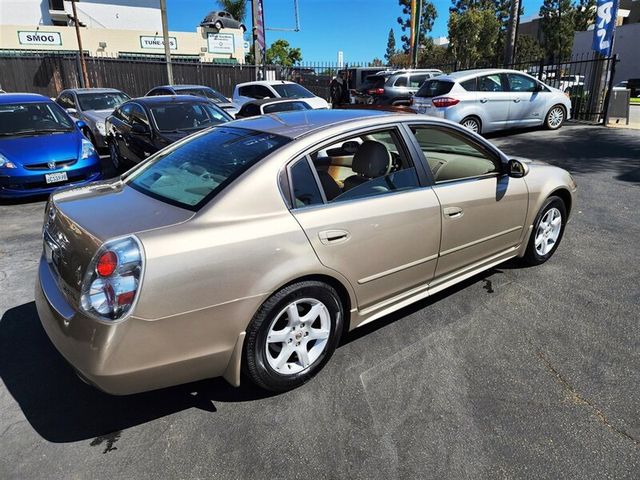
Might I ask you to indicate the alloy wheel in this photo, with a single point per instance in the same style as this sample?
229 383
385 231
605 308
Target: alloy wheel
556 117
548 231
297 336
471 124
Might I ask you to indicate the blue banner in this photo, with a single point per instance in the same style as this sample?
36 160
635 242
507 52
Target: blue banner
605 26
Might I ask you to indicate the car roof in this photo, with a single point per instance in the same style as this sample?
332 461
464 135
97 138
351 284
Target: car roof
92 90
295 124
181 86
264 82
157 99
23 98
462 75
264 101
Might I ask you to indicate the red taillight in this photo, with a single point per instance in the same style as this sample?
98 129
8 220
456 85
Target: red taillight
126 298
375 91
445 102
107 263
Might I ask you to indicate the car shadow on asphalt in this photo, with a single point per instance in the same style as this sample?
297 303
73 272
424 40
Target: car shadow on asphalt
61 408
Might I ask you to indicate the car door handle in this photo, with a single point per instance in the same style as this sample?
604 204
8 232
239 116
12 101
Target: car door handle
453 212
517 100
484 100
333 236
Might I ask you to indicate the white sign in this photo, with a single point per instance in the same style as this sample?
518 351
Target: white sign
246 46
221 43
39 38
340 58
158 42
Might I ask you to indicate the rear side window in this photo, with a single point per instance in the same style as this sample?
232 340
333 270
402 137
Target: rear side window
304 185
470 85
434 88
401 82
192 173
416 80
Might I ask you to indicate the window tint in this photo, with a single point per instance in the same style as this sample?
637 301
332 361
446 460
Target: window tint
125 112
33 118
66 101
246 91
291 90
101 101
260 91
451 156
401 82
138 115
363 166
491 83
191 173
434 88
470 85
305 188
520 83
249 110
416 80
285 107
187 116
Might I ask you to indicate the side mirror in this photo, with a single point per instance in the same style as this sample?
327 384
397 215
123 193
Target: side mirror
516 168
71 111
139 129
81 125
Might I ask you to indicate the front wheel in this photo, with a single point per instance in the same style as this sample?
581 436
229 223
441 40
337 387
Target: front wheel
293 335
555 118
547 231
114 156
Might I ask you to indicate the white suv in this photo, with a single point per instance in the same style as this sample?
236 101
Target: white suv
245 92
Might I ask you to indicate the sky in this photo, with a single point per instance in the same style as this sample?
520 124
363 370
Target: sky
357 27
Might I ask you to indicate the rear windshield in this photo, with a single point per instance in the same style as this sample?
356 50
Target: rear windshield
292 90
193 172
186 116
374 81
434 88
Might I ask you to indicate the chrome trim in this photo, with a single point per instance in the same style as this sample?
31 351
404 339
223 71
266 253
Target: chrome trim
397 269
480 240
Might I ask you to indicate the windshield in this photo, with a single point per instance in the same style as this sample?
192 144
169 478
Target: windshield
33 118
209 93
434 88
292 90
193 172
101 101
186 116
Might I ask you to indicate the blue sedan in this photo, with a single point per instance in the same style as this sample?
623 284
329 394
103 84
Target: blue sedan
41 147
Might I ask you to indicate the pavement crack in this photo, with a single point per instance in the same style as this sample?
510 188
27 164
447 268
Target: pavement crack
578 399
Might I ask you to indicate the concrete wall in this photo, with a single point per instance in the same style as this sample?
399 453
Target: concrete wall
118 42
626 45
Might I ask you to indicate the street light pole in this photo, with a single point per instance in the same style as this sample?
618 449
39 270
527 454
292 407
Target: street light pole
165 40
83 65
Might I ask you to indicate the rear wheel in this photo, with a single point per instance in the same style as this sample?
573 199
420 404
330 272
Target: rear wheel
114 155
472 123
293 335
555 118
547 231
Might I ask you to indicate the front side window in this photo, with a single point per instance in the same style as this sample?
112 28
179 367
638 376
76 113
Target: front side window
365 165
138 115
186 116
292 90
124 112
491 83
451 156
520 83
66 101
191 173
32 119
101 101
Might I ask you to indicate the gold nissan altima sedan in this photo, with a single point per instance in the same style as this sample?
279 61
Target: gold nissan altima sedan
253 246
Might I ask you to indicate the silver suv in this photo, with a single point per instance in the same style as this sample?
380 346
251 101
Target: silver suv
394 87
493 99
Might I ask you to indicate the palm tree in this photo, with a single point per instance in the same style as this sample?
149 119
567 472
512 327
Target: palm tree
237 8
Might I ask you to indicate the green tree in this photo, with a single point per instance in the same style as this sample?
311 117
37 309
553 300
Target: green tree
472 35
436 56
584 14
557 26
280 53
391 45
237 8
400 59
528 49
429 15
376 62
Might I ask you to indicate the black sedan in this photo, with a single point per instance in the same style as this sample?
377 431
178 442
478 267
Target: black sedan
142 126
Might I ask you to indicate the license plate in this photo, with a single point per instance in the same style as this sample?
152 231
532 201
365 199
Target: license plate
55 177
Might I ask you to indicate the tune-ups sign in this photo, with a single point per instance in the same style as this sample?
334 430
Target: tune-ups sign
157 42
39 38
605 26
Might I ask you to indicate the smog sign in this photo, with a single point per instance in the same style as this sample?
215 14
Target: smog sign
39 38
156 42
221 43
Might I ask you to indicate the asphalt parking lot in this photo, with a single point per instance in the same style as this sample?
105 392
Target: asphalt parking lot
518 373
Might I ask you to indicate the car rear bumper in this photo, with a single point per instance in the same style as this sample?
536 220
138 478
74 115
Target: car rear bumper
34 184
131 356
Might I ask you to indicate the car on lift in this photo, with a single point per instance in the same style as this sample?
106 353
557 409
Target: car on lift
220 20
142 126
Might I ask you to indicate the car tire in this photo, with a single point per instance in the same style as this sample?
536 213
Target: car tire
114 156
472 123
278 335
546 233
555 117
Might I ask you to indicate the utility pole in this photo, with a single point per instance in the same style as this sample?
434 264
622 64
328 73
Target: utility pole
83 65
257 20
512 31
165 40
